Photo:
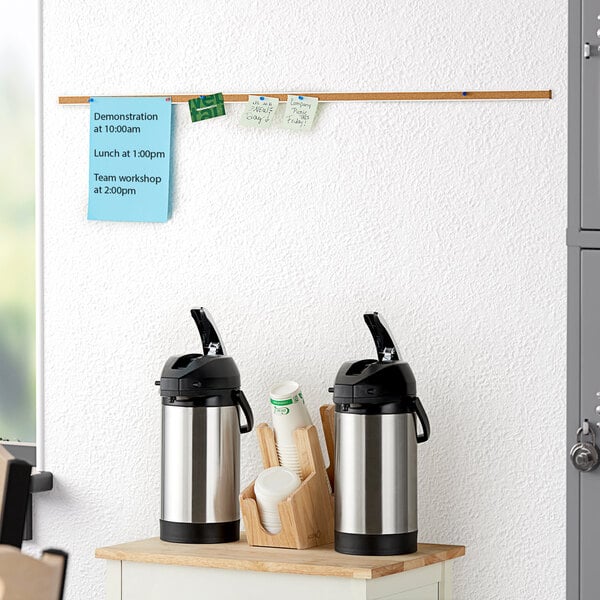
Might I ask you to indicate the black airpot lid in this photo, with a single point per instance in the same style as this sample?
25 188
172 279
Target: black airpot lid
384 380
194 375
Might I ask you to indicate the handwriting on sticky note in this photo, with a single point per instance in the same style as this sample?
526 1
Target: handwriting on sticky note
130 150
300 112
207 107
259 112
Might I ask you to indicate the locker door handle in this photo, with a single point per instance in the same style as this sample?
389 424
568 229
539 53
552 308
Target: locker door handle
587 50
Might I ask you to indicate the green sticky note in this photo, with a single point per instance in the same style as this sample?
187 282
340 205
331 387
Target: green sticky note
259 112
300 113
207 107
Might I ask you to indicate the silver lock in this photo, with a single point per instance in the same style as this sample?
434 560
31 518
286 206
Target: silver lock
584 455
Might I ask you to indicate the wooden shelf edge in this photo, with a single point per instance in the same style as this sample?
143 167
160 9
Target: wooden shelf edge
233 564
450 553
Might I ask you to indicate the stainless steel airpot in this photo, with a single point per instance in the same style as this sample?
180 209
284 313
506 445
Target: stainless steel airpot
376 412
201 402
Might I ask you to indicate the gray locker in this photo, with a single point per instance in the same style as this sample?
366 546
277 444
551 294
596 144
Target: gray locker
583 339
590 114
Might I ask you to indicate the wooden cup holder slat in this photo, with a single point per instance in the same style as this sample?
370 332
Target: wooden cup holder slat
327 412
307 514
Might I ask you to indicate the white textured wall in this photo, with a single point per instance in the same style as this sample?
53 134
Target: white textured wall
449 218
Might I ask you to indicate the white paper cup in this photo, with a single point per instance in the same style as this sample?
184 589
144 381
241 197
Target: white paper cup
289 412
271 487
288 458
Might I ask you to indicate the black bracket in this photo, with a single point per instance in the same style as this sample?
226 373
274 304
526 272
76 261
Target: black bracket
41 481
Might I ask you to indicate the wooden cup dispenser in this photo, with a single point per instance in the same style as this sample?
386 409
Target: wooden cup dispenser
307 514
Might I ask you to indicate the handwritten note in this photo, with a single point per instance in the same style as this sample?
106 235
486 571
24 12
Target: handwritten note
130 154
259 112
300 113
207 107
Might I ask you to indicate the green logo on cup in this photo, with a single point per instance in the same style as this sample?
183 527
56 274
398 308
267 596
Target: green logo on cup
279 410
281 402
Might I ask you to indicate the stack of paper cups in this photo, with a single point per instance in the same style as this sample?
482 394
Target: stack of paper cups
271 487
289 413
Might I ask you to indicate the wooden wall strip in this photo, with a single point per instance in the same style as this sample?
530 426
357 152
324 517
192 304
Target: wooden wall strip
362 96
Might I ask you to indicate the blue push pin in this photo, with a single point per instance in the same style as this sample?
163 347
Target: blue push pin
464 94
300 97
91 99
202 97
262 98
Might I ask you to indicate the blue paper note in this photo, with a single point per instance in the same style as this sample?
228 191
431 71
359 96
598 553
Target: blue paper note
130 154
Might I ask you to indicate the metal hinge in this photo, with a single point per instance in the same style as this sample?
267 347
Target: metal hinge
388 354
587 50
213 348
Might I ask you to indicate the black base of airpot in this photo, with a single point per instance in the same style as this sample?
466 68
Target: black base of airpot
200 533
385 544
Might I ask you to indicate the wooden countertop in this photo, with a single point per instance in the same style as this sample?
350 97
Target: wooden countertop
322 560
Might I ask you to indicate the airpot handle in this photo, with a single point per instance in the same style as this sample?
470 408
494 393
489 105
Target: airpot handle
245 406
422 416
209 334
387 350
